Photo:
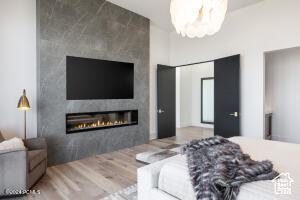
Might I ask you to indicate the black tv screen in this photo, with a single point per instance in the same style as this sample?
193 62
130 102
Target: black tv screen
99 79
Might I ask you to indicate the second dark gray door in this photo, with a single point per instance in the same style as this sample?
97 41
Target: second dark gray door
227 96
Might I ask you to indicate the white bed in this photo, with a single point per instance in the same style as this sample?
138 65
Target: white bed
169 179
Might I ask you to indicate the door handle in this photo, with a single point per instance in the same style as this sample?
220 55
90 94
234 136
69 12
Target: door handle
235 114
160 111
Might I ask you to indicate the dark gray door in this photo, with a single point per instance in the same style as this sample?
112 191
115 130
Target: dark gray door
166 101
227 97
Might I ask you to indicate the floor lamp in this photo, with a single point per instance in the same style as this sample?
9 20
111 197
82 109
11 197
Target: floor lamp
23 105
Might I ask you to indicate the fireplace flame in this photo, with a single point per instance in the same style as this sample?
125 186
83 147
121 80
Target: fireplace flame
101 124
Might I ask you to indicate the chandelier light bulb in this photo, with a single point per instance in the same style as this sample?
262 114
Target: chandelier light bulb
197 18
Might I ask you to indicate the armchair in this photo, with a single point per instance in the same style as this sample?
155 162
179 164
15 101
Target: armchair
20 169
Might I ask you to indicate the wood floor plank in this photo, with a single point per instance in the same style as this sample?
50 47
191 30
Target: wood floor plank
67 180
126 158
84 183
51 191
127 165
143 148
97 178
119 170
46 190
115 177
59 183
160 143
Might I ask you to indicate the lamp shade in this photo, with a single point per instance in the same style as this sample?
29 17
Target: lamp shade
23 102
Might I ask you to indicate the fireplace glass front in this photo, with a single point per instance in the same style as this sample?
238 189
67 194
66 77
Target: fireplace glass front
79 122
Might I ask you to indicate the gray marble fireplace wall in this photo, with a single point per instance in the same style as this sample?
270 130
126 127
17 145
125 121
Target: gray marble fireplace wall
92 29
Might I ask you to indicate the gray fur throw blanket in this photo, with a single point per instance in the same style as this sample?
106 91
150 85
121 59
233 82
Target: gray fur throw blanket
218 168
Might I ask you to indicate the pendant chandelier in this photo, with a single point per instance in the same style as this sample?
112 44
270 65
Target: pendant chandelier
197 18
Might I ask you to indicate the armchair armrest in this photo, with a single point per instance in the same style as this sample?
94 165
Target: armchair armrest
36 143
147 178
13 170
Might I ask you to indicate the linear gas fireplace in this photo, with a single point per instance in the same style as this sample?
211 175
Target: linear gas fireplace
79 122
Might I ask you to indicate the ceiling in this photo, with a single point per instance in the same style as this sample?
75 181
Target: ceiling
158 10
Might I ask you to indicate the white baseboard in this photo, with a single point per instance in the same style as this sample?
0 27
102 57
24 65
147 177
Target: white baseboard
286 139
188 124
203 125
153 135
185 124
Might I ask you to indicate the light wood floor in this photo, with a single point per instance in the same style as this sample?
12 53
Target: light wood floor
186 134
97 177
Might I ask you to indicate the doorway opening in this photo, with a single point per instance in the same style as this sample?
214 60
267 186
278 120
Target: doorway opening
282 85
195 101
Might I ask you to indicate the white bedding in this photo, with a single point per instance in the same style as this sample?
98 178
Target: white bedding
174 180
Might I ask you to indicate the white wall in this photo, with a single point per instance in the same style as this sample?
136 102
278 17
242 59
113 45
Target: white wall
178 94
189 98
17 65
185 96
208 100
159 54
282 93
269 25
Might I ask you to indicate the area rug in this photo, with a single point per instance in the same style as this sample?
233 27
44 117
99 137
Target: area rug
155 155
129 193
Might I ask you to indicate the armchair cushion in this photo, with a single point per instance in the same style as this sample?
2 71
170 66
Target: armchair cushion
14 143
36 157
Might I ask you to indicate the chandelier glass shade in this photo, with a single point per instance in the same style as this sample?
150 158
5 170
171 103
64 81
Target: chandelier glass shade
197 18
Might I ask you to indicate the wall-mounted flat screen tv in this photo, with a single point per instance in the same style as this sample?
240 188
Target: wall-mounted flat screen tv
99 79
